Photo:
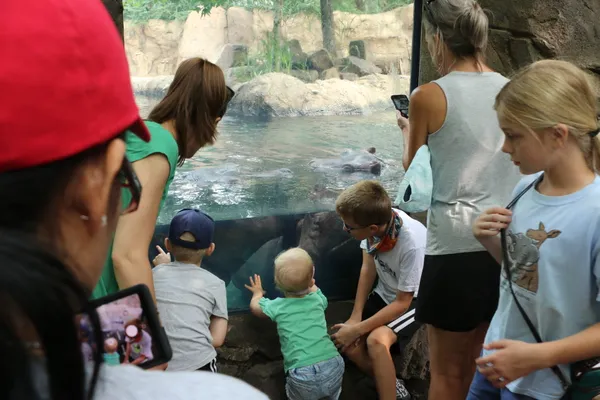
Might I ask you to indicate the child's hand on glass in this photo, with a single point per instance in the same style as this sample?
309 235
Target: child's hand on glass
162 257
255 286
491 222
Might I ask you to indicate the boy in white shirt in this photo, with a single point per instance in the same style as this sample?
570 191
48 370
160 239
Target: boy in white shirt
383 320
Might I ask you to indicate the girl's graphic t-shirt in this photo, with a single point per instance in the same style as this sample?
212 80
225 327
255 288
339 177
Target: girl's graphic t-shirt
553 245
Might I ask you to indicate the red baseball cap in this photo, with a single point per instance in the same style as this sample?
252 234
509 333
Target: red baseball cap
64 81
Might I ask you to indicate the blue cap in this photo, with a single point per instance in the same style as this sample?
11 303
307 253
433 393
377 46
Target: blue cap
196 222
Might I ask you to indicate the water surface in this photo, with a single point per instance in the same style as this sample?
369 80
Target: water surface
261 168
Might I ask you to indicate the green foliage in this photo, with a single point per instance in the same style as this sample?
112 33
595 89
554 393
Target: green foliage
274 56
143 10
368 6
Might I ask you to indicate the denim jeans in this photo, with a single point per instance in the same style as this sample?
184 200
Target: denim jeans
322 380
482 389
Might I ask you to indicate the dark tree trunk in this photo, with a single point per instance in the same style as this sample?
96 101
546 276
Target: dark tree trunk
327 27
115 9
276 42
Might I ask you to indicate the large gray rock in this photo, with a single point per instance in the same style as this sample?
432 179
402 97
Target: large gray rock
331 73
234 76
349 76
307 76
320 60
149 91
232 55
360 67
281 95
299 57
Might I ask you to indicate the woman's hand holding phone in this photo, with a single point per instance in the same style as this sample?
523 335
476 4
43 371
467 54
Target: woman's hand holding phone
403 123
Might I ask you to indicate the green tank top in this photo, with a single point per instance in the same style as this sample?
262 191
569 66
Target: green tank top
161 142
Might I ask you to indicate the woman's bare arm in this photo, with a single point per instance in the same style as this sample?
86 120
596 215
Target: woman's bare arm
427 112
135 230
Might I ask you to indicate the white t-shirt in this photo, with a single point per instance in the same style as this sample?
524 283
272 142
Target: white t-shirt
400 268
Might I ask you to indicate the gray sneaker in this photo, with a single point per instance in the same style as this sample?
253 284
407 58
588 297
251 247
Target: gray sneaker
401 392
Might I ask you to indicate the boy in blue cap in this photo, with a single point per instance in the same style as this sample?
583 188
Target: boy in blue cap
192 301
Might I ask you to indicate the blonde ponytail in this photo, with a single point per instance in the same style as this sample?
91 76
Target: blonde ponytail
551 92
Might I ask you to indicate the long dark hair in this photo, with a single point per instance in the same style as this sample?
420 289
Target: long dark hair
40 296
197 96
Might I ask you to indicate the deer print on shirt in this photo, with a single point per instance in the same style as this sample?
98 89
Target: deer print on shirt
524 255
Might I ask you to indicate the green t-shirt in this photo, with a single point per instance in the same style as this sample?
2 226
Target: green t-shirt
161 142
302 329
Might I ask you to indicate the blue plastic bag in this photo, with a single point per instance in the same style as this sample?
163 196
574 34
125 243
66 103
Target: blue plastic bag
414 193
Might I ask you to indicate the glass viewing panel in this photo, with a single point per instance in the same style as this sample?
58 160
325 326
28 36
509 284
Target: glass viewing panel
305 123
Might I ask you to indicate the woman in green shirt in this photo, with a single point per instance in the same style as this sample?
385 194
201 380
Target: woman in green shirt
184 121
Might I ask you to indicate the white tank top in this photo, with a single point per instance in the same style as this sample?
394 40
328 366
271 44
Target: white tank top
470 171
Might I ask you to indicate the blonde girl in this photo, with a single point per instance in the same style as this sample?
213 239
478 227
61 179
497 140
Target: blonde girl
548 113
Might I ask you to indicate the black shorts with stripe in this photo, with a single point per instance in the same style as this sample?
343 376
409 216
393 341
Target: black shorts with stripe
210 367
404 326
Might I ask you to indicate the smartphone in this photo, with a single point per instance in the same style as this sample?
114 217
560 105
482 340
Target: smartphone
401 103
130 327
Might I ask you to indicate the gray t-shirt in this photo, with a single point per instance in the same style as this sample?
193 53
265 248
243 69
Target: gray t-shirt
133 383
187 297
470 171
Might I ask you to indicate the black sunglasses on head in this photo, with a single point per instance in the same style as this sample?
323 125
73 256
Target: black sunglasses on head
128 179
230 94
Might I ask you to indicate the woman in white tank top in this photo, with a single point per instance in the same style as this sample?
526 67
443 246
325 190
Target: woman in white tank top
454 115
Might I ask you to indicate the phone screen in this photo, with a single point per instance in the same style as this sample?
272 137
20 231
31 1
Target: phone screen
401 103
130 336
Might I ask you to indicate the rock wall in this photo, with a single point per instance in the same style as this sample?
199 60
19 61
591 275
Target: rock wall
523 31
157 47
281 95
251 352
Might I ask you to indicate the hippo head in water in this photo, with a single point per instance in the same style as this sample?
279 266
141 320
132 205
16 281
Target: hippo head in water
351 161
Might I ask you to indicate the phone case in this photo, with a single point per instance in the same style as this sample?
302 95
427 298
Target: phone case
159 336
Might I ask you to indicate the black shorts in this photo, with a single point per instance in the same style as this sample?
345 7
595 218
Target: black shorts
458 292
210 367
404 326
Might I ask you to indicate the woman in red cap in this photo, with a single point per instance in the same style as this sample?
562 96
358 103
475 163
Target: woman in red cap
66 101
182 123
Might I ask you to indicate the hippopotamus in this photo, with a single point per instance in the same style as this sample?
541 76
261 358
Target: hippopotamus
249 246
226 173
351 161
230 174
276 173
336 255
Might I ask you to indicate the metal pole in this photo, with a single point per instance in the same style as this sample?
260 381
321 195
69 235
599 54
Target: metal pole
416 44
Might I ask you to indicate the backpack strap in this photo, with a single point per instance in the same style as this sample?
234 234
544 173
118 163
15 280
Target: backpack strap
530 325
